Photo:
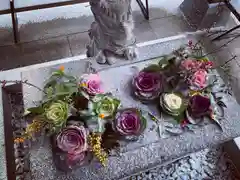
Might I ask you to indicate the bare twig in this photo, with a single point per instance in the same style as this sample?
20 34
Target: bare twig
219 48
4 82
219 10
228 61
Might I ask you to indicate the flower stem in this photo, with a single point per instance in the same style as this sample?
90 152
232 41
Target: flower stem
100 125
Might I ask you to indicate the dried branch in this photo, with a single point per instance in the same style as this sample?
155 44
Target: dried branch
228 61
219 48
4 82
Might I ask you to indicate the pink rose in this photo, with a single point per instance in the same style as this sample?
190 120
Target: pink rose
190 64
198 80
91 83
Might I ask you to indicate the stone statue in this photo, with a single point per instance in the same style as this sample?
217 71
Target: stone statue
112 32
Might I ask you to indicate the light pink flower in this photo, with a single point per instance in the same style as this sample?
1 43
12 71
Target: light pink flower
72 140
91 83
190 64
199 79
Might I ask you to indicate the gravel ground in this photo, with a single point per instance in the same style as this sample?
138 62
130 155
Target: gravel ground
208 164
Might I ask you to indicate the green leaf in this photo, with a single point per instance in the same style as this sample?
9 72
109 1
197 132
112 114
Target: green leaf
98 97
87 113
163 63
72 87
100 125
152 68
180 117
117 103
144 122
36 110
205 59
60 88
70 78
167 61
70 84
60 94
49 92
85 95
50 83
58 73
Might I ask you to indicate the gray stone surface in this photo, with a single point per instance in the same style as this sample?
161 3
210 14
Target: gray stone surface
150 151
212 164
169 26
78 43
200 14
6 36
144 32
57 27
25 54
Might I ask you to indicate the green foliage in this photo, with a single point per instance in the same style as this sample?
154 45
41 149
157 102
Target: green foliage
152 68
60 86
102 104
180 117
166 62
54 107
36 110
143 120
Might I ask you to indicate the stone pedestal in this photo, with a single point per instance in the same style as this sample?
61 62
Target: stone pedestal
111 35
148 152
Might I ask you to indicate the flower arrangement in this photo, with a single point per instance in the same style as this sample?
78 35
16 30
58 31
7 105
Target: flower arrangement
182 84
74 112
86 123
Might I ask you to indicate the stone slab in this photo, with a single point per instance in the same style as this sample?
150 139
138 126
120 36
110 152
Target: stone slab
151 151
